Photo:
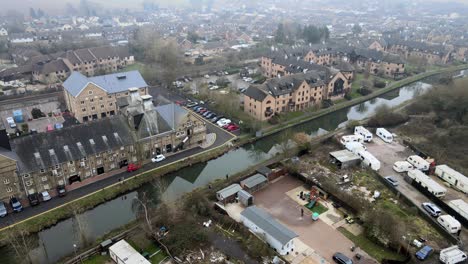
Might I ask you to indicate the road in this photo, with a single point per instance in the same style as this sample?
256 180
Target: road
221 137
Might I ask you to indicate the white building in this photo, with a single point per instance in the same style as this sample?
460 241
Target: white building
122 253
3 32
278 236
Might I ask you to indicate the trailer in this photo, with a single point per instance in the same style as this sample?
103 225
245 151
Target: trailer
449 223
351 138
427 183
384 134
355 147
453 177
360 130
369 160
460 206
418 162
402 166
452 255
123 253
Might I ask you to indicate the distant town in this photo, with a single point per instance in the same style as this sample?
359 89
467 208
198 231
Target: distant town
234 132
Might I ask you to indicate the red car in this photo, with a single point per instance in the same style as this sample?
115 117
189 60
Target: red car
132 167
226 125
232 127
181 103
203 111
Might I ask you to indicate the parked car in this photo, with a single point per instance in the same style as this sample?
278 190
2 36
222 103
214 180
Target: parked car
349 220
210 115
223 121
45 196
180 102
340 258
232 127
33 199
3 209
61 190
392 180
16 204
158 158
207 76
216 118
242 90
199 110
192 104
424 252
431 209
132 167
207 113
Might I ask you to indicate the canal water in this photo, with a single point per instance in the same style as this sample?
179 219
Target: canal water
58 241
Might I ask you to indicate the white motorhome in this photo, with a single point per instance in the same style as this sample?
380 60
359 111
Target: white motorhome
460 207
402 166
452 255
360 130
351 138
384 134
369 160
449 223
418 162
355 147
453 177
428 183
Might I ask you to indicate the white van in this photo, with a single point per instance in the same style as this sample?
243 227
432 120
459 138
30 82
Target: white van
449 223
402 166
355 147
11 122
452 255
360 130
351 138
384 135
418 162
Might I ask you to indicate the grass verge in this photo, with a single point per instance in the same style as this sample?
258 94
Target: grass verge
376 251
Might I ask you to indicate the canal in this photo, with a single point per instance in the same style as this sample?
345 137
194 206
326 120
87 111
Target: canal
56 242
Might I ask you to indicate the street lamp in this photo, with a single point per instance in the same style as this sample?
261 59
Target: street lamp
76 255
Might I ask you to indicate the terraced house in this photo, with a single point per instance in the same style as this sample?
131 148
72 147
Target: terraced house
91 98
139 131
295 92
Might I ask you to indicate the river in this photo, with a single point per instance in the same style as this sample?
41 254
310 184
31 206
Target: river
58 241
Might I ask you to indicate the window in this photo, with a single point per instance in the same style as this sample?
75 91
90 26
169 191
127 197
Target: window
91 100
57 166
100 98
102 106
93 108
90 92
6 181
26 175
110 104
44 178
71 162
82 102
9 189
28 183
84 109
42 170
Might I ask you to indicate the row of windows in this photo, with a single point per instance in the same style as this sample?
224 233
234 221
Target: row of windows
94 108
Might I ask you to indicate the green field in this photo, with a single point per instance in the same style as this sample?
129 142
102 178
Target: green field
318 208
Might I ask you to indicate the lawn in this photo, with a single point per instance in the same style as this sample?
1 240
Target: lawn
97 259
136 66
376 251
318 208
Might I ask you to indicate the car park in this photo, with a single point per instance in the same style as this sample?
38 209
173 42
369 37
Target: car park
192 104
199 110
232 127
340 258
431 209
202 111
216 118
16 205
210 115
33 199
223 121
158 158
45 196
207 113
3 209
392 180
61 190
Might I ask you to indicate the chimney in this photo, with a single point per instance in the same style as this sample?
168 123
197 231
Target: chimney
147 102
134 94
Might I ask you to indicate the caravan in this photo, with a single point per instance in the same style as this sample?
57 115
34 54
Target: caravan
449 223
427 183
369 160
355 147
351 138
402 166
360 130
452 255
418 162
453 177
384 135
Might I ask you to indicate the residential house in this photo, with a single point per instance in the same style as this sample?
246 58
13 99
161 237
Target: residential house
295 92
432 54
3 32
272 232
21 38
91 98
377 62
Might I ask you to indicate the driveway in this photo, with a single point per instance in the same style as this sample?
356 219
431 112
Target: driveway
318 235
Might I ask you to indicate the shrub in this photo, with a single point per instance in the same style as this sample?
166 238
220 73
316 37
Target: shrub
364 91
348 96
352 124
379 84
37 113
327 103
386 117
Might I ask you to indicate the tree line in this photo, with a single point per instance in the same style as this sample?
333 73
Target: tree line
288 33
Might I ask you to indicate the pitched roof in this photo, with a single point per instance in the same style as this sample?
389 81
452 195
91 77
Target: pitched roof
254 180
43 150
268 224
172 113
255 93
111 83
229 191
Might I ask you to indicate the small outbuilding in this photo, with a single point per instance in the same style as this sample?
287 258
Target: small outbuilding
254 183
278 236
245 198
344 158
229 193
265 171
123 253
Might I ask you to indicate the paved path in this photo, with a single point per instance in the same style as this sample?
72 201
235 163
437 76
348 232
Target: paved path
221 137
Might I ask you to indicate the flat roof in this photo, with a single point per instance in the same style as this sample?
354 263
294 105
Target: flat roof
344 155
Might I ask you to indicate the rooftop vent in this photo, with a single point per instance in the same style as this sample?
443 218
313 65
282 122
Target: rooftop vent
121 77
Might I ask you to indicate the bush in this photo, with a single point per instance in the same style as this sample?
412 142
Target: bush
327 103
386 117
352 124
348 96
379 84
364 91
37 113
